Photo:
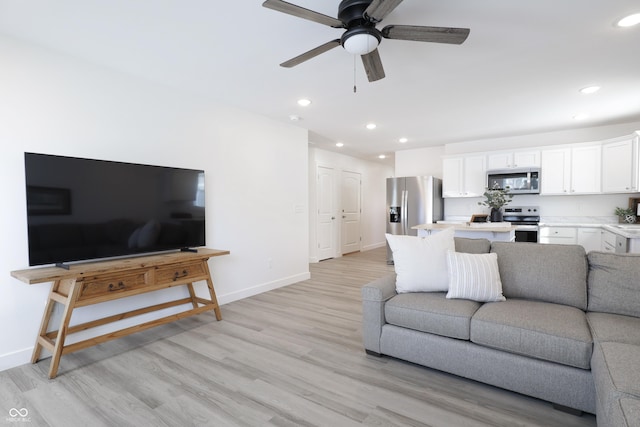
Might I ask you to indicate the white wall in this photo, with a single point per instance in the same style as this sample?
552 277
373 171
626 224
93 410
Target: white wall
586 208
256 173
420 161
374 178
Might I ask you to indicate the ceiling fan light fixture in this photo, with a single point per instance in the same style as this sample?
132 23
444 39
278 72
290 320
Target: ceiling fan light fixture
589 90
360 40
629 21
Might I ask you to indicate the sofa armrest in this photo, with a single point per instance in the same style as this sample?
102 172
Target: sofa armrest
374 296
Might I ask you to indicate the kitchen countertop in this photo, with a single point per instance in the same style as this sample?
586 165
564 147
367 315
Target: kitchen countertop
506 227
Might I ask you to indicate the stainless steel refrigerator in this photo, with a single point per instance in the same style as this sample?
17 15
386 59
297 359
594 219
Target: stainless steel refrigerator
411 201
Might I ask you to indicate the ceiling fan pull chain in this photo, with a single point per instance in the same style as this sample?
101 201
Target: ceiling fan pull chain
354 74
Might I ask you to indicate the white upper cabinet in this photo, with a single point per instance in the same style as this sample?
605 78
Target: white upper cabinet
555 171
620 165
513 159
574 170
611 166
464 176
586 170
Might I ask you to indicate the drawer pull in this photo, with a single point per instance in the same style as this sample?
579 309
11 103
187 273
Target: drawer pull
177 275
118 287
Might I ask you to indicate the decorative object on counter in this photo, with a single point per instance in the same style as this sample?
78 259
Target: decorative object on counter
626 215
634 205
496 198
479 218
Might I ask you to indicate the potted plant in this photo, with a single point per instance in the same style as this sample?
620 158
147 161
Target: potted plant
496 198
625 215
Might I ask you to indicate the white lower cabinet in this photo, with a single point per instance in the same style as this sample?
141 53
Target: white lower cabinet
608 241
590 238
559 235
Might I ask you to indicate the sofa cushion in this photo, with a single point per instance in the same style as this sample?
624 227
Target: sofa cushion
431 312
551 273
472 246
474 276
421 262
629 412
616 372
553 332
614 327
614 286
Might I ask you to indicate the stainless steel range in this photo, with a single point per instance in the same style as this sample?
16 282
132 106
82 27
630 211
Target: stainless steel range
525 219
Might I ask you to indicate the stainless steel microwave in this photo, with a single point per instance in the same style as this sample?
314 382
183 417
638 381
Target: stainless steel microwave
519 180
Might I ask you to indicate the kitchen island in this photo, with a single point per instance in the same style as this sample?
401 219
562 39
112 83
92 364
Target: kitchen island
499 231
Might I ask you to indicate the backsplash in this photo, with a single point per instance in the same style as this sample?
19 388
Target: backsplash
584 209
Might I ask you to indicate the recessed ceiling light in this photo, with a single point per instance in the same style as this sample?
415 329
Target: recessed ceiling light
339 144
589 90
304 102
294 118
581 116
629 21
403 140
382 156
371 126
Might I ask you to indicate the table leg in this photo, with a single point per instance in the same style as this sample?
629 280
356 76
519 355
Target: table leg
212 292
44 323
64 325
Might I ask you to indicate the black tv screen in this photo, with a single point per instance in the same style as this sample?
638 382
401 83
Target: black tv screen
83 209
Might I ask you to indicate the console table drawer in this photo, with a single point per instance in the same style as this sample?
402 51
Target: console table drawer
181 272
107 285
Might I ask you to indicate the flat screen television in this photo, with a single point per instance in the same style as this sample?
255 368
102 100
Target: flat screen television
84 209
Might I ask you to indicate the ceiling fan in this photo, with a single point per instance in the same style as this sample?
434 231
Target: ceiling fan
359 18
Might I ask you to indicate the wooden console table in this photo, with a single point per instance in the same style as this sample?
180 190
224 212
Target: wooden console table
95 282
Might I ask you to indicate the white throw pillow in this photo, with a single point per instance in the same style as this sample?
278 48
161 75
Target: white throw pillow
474 276
421 262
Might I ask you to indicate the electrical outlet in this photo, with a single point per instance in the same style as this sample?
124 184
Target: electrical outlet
270 263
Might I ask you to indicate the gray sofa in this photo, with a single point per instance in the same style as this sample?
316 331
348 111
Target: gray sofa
568 332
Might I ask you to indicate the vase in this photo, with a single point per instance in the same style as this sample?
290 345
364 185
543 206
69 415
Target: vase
496 215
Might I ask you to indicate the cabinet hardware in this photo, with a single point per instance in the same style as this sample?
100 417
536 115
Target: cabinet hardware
113 287
177 275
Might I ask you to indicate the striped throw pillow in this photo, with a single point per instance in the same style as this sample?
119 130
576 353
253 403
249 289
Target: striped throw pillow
474 276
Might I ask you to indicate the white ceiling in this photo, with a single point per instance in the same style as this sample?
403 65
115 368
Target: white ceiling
519 71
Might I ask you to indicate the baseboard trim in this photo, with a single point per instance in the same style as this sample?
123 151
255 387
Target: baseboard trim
264 287
373 246
16 358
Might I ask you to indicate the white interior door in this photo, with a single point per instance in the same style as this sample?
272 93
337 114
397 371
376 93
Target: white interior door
326 220
351 211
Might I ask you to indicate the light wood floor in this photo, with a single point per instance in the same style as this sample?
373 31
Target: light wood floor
289 357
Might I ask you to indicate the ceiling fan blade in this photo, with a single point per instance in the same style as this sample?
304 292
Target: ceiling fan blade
311 54
373 66
378 9
301 12
426 34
